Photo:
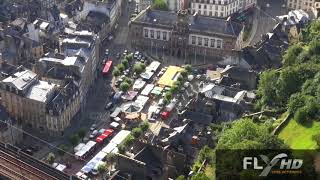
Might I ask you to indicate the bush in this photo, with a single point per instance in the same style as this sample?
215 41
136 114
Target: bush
124 86
102 167
62 149
174 89
121 149
168 96
116 72
120 67
136 132
180 79
178 84
127 80
181 177
296 101
159 5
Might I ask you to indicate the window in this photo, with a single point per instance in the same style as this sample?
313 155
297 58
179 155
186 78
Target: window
193 39
152 33
164 36
213 41
146 33
219 44
206 41
158 34
200 41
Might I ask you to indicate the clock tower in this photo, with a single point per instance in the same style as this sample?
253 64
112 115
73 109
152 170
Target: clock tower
179 40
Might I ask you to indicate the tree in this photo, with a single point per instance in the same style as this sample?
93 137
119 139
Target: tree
159 5
181 177
124 86
267 88
102 167
301 115
244 134
62 149
296 101
125 62
178 84
138 68
168 96
316 138
127 80
291 54
110 158
174 89
116 72
81 133
129 57
180 79
74 140
184 73
200 176
120 67
136 132
121 149
50 158
188 68
128 141
144 126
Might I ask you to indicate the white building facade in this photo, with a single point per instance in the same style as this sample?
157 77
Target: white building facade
220 8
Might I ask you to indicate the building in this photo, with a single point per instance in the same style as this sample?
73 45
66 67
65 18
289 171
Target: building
306 5
78 58
10 129
221 8
293 22
176 5
183 35
39 104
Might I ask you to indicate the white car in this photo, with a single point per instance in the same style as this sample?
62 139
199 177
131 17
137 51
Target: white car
94 134
93 127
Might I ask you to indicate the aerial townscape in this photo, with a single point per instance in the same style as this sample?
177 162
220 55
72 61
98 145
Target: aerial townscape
159 89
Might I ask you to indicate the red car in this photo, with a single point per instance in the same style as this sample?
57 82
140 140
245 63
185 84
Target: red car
107 133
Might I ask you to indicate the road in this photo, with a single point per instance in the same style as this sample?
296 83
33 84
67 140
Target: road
266 17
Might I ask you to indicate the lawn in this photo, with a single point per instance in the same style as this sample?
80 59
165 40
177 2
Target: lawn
209 171
298 136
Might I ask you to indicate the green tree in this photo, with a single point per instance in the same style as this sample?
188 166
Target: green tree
128 141
302 115
50 158
159 5
316 138
62 149
174 89
81 133
188 68
244 134
184 73
180 79
168 96
74 140
116 72
291 54
144 126
200 176
127 80
124 86
138 68
125 63
121 149
181 177
120 67
102 167
296 101
129 57
136 132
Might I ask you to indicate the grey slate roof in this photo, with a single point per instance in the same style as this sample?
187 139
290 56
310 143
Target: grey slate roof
201 23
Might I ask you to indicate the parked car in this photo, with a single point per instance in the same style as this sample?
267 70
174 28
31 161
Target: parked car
28 151
93 127
94 134
101 131
106 53
118 55
109 106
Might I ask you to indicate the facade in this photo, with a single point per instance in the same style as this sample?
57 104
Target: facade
300 4
9 128
183 35
39 104
221 8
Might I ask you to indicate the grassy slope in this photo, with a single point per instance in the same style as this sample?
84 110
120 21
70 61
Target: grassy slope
298 136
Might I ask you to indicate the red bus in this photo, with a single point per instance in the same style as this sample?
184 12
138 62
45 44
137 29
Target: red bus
107 67
107 133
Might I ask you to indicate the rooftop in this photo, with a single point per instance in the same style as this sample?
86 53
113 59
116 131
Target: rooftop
21 80
170 76
41 91
196 22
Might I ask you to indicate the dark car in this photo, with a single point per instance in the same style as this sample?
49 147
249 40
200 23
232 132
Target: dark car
118 55
28 151
109 106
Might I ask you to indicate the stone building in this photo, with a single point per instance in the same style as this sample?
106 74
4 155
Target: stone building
183 35
10 129
221 8
39 104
